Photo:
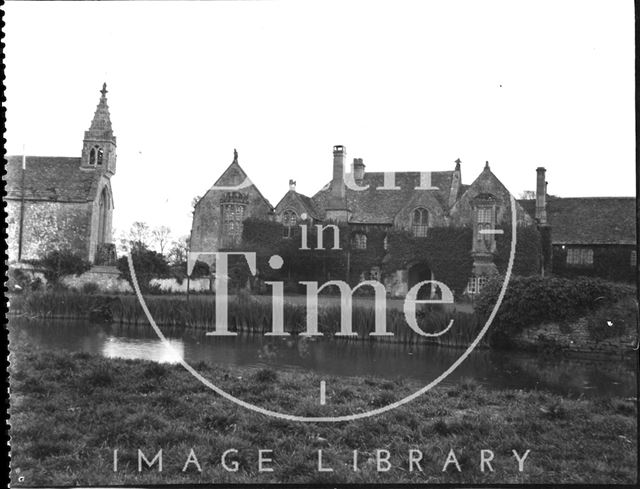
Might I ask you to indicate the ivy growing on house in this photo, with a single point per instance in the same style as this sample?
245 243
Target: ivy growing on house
527 260
447 251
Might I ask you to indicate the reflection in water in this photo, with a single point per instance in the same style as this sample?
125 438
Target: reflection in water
119 347
569 376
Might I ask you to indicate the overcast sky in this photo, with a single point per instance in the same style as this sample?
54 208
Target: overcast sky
403 85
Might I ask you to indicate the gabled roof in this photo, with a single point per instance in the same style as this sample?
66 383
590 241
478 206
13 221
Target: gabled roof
486 185
51 178
234 178
375 206
305 202
589 220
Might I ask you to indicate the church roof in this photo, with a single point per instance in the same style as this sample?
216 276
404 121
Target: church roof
51 178
375 206
589 220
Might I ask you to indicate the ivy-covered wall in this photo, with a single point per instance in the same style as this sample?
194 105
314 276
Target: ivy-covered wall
527 260
446 251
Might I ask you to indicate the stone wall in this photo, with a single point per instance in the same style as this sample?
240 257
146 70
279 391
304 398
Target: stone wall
48 225
106 278
573 337
172 285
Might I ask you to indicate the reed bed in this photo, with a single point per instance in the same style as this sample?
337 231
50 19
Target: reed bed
246 314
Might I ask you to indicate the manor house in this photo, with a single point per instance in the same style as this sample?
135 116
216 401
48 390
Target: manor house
585 236
366 201
56 202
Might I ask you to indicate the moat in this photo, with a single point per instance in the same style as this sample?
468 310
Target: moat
494 369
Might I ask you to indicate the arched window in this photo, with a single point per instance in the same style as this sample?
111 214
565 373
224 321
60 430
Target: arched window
103 214
100 155
92 156
289 222
232 217
359 241
420 222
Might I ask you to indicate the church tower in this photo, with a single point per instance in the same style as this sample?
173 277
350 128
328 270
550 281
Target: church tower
99 145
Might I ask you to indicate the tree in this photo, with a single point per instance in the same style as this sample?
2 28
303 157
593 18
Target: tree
138 237
161 237
178 251
148 264
528 195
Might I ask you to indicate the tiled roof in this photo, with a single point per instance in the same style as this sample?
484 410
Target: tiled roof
374 206
51 178
589 220
310 205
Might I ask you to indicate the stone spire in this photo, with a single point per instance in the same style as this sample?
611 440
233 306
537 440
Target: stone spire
99 144
101 123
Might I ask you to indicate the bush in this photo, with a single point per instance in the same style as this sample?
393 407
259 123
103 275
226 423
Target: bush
18 280
148 264
90 288
57 263
531 301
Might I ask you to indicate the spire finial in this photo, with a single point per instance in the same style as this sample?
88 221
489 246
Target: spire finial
104 90
486 165
235 155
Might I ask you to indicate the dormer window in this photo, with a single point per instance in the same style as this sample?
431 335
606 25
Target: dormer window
289 221
420 222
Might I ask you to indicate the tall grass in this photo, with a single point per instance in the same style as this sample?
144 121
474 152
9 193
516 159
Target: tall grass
246 315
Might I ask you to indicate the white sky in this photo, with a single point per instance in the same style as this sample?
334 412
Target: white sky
405 85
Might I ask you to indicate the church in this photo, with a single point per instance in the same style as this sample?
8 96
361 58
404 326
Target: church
60 202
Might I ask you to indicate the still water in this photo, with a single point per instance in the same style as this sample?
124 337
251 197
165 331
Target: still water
568 376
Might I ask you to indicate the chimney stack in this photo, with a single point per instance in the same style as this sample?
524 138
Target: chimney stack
292 185
337 206
541 196
358 169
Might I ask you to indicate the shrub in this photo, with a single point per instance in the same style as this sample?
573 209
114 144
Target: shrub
148 264
530 301
18 280
90 288
57 263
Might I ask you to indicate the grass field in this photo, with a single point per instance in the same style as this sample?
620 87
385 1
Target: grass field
70 412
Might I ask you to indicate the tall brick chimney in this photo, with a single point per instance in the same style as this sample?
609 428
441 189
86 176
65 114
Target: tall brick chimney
541 196
337 205
358 169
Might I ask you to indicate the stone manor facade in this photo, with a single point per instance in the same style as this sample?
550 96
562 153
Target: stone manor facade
411 201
